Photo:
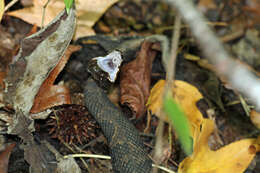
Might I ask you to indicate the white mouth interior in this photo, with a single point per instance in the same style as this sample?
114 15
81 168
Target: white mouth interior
110 64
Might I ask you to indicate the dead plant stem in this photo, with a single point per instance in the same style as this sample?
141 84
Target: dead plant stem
43 12
10 4
170 72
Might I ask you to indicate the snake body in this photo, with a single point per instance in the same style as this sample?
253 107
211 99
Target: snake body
126 147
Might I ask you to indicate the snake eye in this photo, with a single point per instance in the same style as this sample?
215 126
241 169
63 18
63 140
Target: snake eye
110 64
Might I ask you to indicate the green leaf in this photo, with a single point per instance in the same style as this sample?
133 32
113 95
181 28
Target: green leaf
180 123
68 5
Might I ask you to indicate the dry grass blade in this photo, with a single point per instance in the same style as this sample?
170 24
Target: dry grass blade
10 4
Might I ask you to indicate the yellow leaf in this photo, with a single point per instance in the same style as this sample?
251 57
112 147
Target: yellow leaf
234 157
255 118
88 12
185 95
2 7
154 102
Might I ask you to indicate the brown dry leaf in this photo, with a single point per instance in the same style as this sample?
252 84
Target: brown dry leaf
33 14
50 95
185 95
4 158
33 30
7 60
2 6
88 12
135 80
234 157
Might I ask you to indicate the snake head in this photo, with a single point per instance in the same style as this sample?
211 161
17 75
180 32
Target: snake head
105 69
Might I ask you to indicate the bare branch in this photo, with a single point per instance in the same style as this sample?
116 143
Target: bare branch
174 50
170 72
237 74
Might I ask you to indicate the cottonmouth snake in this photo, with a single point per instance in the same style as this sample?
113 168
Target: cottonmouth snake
126 147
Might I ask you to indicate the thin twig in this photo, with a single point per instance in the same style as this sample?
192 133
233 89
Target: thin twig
237 74
108 158
43 12
163 168
159 142
88 156
71 149
10 4
170 71
232 36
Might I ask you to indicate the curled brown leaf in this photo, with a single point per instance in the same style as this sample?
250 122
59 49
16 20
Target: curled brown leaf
136 79
50 95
